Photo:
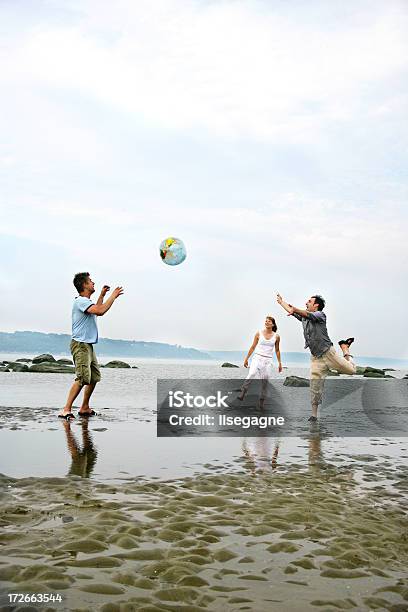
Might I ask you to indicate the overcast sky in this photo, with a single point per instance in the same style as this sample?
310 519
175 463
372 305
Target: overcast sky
270 136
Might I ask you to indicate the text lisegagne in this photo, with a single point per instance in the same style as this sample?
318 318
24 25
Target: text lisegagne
223 420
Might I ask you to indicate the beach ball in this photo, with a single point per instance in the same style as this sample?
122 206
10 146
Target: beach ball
172 251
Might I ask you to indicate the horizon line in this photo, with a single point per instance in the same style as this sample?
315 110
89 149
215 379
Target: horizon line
201 350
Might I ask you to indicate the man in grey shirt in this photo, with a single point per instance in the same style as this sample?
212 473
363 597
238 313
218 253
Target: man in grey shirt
323 356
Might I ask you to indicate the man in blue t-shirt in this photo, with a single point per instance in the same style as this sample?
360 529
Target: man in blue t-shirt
84 336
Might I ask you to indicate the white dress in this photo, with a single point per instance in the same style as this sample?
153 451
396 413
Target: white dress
262 362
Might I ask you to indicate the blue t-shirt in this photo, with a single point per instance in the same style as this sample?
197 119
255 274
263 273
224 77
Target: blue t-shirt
84 328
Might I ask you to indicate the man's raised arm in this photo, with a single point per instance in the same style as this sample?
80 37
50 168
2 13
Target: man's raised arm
285 305
100 309
291 310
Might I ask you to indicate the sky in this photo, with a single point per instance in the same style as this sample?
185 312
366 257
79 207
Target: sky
271 137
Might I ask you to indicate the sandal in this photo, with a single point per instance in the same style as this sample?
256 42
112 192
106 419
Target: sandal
87 414
349 341
67 416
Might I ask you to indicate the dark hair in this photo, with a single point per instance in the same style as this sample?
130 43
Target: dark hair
79 280
274 326
320 301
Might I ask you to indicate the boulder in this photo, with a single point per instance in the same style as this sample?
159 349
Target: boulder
369 374
23 360
17 367
116 364
360 370
3 369
52 368
135 367
45 357
296 381
65 361
374 370
229 365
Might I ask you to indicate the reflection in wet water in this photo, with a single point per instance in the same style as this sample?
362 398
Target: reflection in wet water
83 456
261 453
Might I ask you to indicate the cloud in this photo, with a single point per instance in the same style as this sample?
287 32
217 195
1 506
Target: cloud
234 69
269 136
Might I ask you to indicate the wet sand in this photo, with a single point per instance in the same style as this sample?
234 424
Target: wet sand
230 524
252 539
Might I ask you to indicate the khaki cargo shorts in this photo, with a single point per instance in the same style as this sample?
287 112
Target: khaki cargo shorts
86 365
319 368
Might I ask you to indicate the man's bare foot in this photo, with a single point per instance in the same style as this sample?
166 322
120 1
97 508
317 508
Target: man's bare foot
262 403
241 396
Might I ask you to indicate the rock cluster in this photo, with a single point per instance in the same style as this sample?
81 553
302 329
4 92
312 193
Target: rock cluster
48 364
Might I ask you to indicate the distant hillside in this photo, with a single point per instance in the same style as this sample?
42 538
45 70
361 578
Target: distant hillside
37 342
34 343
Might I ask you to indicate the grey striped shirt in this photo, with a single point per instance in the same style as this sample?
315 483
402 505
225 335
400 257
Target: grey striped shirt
315 332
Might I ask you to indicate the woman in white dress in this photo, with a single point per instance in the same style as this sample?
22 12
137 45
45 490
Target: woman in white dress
265 344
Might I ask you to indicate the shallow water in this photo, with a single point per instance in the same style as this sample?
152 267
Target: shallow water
105 513
123 435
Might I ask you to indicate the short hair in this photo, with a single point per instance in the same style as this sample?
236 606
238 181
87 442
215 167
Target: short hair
79 280
274 326
320 301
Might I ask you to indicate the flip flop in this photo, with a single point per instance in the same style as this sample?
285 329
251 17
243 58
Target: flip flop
87 414
349 341
66 416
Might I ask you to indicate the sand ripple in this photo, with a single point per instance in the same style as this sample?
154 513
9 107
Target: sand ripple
232 541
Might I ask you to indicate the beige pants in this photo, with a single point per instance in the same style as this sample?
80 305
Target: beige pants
319 368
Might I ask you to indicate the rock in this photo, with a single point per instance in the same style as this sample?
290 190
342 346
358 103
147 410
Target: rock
135 368
389 369
67 519
45 357
332 373
23 360
116 364
374 370
363 370
229 365
296 381
17 367
65 361
373 374
3 369
52 368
